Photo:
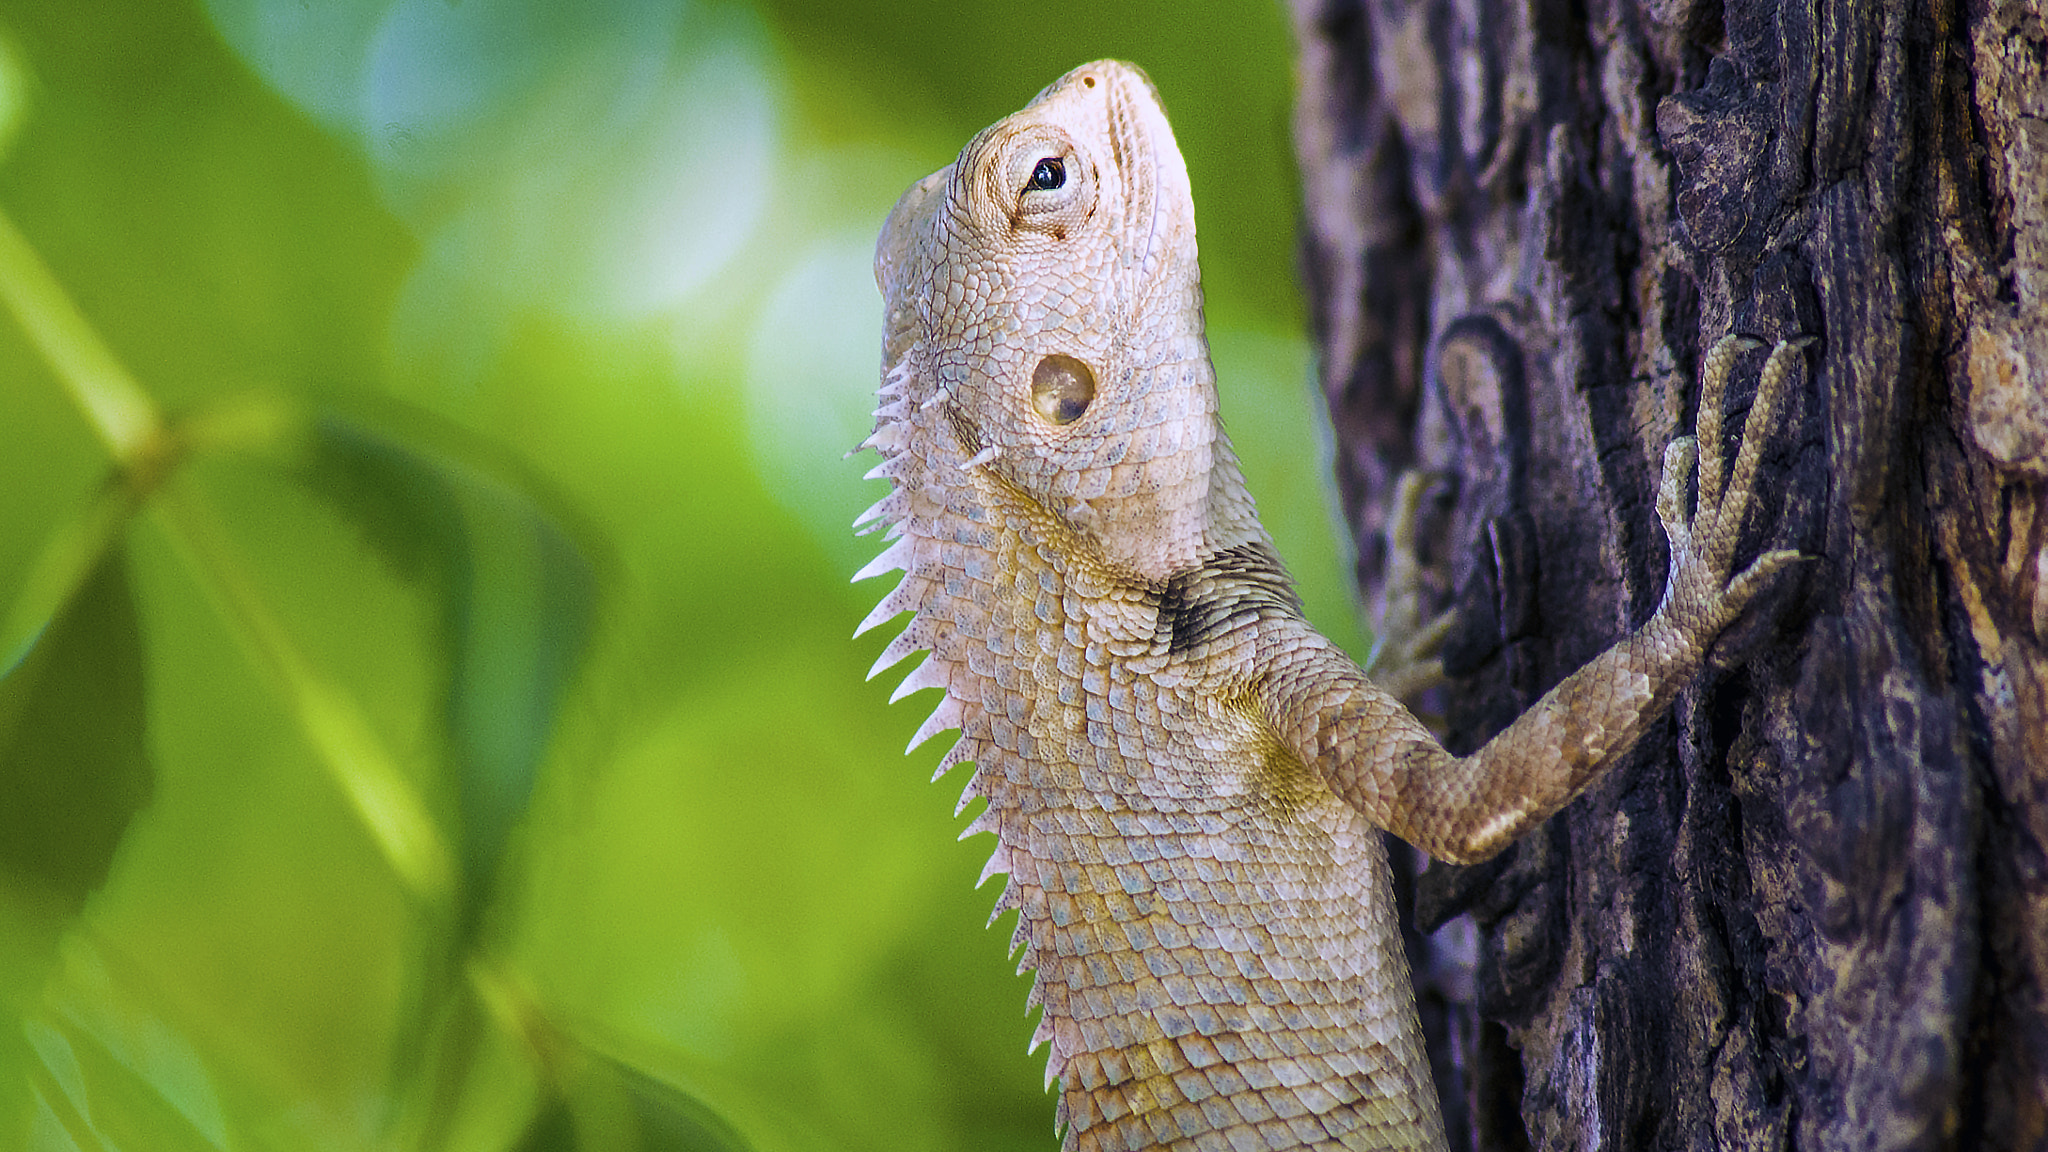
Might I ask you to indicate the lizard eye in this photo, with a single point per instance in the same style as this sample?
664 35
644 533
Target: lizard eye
1039 181
1062 388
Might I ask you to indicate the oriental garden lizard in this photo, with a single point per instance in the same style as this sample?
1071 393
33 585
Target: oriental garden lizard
1186 782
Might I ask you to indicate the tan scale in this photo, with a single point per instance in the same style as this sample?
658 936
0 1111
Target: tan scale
1185 781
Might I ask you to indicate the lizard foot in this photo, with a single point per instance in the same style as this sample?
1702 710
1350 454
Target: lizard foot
1701 598
1404 658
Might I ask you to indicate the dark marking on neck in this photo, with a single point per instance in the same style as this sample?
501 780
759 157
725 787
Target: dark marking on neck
1231 588
964 430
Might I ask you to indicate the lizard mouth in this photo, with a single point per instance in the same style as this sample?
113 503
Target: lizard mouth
1136 132
1133 153
1146 156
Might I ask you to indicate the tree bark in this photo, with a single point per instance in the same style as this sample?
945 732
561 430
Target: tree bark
1811 910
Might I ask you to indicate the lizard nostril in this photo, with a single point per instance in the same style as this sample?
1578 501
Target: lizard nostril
1062 388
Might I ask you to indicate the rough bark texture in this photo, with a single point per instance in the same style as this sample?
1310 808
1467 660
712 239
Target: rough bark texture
1813 911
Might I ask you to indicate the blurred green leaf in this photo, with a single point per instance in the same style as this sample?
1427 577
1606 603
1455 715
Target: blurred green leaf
553 1130
14 82
517 593
670 1120
615 1108
17 1091
123 1047
68 559
74 768
102 1102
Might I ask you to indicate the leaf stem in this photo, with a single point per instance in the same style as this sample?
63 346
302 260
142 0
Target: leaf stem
119 410
332 721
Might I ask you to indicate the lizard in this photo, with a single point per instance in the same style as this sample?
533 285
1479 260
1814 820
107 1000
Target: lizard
1186 781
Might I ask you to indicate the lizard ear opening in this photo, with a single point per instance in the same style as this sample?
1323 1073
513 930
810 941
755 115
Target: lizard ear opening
1062 388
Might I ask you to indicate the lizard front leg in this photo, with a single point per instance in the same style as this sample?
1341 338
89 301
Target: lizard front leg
1385 763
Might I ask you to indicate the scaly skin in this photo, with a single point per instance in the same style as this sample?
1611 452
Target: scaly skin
1185 781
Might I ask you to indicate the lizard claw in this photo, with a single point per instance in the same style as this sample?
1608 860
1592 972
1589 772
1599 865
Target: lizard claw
1404 657
1679 457
1758 575
1703 595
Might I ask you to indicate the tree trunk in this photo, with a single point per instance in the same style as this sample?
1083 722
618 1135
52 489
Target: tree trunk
1811 910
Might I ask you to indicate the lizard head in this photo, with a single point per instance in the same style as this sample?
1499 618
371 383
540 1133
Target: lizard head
1044 319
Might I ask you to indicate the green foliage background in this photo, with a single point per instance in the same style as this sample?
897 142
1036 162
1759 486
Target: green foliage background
429 718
